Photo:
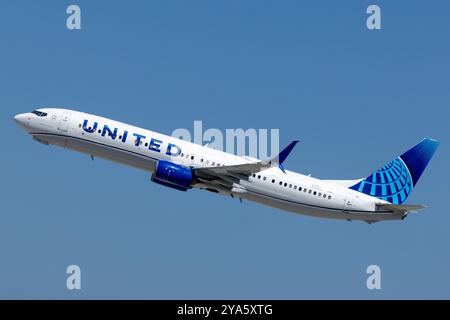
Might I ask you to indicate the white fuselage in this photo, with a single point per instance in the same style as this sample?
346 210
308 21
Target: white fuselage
116 141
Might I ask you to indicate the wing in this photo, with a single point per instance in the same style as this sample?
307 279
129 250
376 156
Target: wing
227 175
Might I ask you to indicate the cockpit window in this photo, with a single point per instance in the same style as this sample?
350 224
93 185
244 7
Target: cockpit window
39 113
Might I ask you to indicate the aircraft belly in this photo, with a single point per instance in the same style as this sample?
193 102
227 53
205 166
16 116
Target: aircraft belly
314 211
102 151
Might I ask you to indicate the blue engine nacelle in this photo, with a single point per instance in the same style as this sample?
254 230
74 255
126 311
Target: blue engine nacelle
173 175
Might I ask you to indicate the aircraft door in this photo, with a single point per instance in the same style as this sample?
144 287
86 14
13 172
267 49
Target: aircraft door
348 203
64 122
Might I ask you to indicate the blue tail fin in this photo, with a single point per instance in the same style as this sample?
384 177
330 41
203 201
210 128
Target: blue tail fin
395 181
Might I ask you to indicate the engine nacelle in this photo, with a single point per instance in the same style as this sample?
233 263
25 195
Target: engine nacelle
173 175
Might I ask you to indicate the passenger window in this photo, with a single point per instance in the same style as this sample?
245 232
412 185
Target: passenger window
285 184
329 197
299 188
290 185
309 191
192 157
320 194
295 187
314 193
259 177
273 180
264 178
281 183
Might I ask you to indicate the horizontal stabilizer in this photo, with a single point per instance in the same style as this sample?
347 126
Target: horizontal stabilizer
400 207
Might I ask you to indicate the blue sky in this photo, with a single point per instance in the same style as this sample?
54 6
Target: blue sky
355 98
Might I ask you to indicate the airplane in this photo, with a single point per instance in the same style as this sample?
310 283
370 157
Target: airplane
183 165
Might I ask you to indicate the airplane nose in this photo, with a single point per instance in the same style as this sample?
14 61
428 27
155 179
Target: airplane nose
21 120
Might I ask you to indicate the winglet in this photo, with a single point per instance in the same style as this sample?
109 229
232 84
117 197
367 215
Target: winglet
284 154
279 159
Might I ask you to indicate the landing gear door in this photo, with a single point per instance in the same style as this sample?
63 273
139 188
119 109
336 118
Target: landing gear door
64 122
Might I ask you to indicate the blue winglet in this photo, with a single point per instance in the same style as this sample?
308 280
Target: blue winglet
284 154
279 159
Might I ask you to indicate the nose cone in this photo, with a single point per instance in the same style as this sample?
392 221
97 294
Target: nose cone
22 120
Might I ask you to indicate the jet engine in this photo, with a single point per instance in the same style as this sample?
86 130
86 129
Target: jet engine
173 175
